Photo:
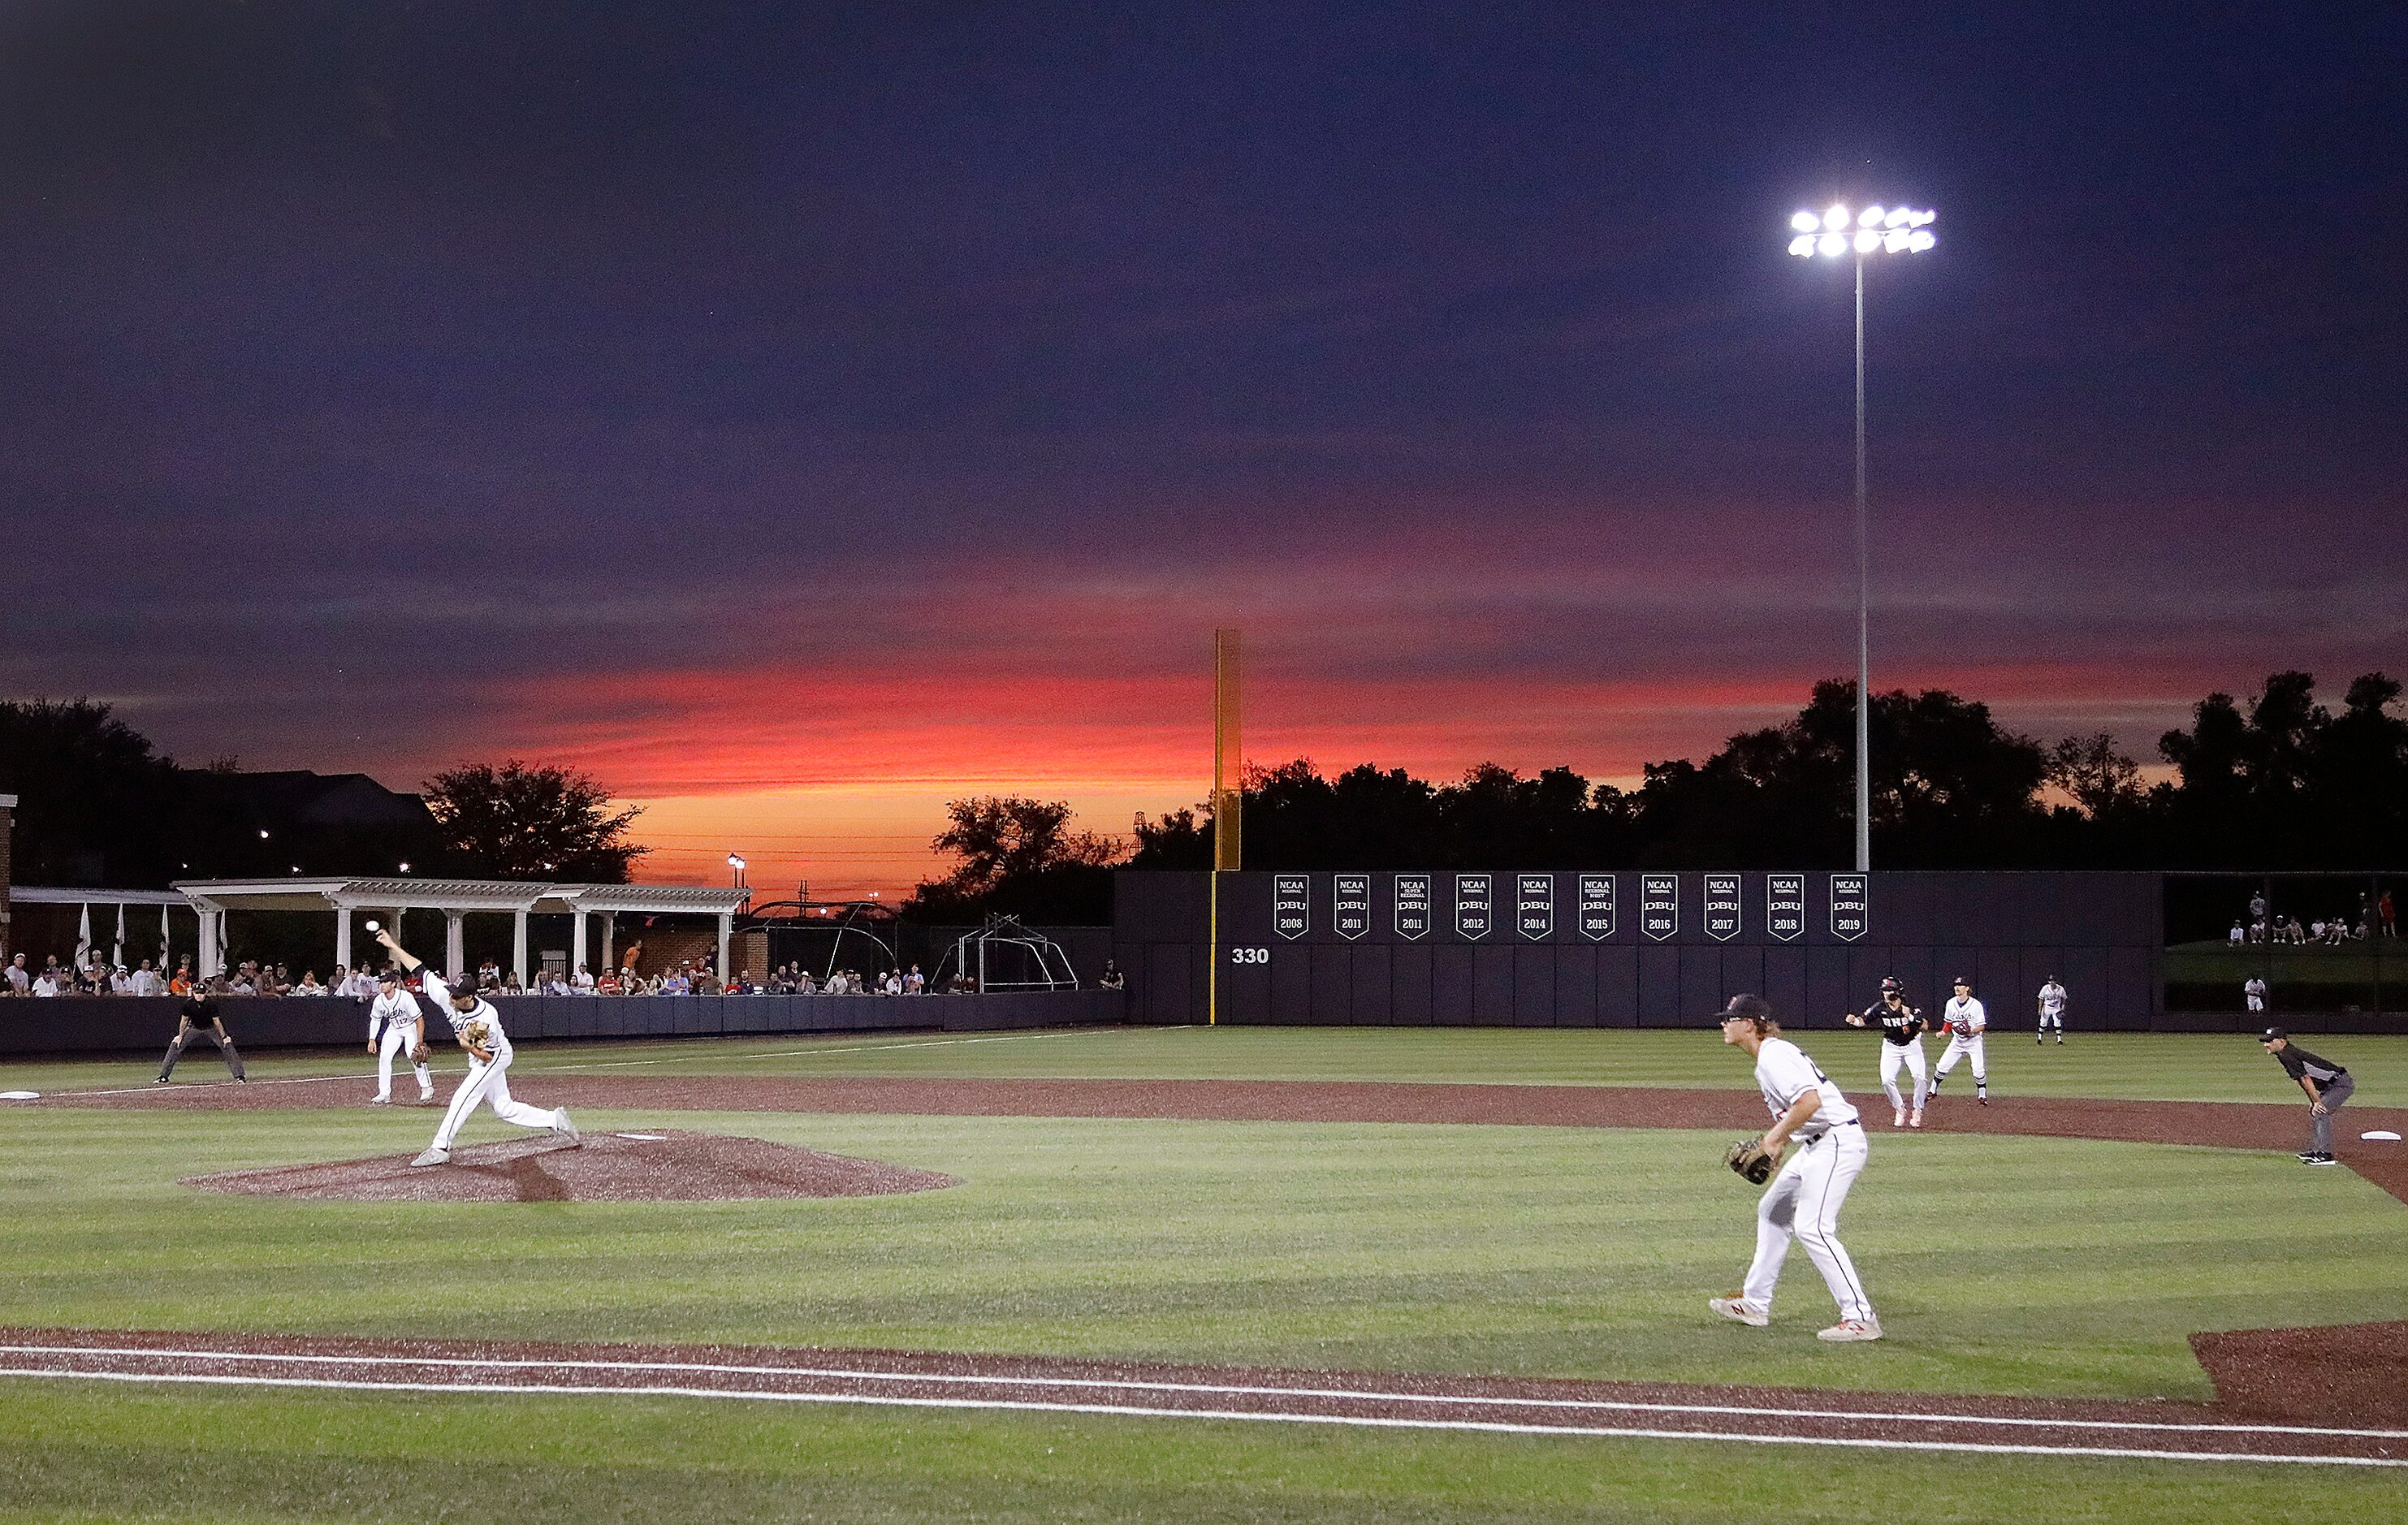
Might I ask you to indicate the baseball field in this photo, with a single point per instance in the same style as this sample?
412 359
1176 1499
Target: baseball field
1190 1274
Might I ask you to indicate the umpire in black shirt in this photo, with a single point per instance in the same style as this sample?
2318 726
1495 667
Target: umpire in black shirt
2327 1086
197 1018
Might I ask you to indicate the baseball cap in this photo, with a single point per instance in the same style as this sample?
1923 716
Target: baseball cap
1743 1005
1960 979
2272 1033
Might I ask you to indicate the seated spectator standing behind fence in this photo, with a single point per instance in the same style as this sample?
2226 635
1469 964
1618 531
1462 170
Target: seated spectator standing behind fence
1111 978
20 979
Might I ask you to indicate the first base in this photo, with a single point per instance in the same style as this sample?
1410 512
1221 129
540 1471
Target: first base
2380 1135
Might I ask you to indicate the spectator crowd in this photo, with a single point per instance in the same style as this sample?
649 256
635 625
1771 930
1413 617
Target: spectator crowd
253 976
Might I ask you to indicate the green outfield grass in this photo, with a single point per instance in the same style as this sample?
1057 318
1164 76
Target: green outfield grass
68 1453
2000 1265
2227 1067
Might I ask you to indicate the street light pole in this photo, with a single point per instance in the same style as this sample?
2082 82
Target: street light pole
1896 230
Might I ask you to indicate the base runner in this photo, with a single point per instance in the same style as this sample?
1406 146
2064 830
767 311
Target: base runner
1804 1198
1902 1030
1967 1021
393 1028
479 1028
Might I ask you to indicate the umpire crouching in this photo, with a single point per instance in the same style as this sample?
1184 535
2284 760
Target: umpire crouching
2327 1086
198 1019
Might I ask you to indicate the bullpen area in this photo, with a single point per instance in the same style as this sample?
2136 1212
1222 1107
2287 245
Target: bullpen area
1195 1273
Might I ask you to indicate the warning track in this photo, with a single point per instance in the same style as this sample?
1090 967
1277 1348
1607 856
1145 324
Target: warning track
1594 1410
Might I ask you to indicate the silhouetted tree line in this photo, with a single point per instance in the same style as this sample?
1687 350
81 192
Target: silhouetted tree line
98 805
2277 782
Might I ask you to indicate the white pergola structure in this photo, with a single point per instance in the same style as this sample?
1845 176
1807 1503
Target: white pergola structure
116 937
457 899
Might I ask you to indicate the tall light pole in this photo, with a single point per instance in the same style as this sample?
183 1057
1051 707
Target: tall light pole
1875 230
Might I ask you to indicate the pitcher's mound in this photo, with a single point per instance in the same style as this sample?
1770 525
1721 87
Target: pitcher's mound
669 1165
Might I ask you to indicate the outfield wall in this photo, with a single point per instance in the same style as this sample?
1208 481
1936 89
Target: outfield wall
114 1024
1632 949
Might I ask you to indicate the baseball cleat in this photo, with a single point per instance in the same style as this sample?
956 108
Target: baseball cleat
161 1080
1916 1122
1986 1101
433 1157
380 1101
1898 1120
1851 1331
562 1126
2322 1159
1735 1308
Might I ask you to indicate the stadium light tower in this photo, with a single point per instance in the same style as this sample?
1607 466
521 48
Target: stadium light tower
1829 235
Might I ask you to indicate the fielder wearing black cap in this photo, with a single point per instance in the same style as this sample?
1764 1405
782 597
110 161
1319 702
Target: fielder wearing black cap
2327 1086
1754 1007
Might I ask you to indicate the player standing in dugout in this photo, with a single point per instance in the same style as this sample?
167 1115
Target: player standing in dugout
1901 1029
2327 1086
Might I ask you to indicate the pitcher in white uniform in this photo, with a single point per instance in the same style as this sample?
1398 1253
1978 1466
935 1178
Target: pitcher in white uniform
489 1063
1802 1200
393 1028
1967 1023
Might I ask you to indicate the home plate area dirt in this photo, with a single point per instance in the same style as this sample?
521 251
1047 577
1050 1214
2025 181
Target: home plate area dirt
666 1165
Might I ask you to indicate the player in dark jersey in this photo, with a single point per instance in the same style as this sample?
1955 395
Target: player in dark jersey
2327 1084
198 1019
1901 1029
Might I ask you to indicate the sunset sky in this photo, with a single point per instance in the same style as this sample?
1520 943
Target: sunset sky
798 415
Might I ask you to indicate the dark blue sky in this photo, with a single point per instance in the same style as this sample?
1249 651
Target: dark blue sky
744 398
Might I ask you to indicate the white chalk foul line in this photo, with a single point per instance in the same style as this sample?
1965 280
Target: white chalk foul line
1224 1389
1363 1422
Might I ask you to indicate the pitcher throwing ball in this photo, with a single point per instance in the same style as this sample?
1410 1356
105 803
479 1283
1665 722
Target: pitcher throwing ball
1803 1200
479 1028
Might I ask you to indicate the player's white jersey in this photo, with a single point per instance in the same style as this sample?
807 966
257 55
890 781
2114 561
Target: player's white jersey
497 1041
1784 1074
1965 1013
399 1009
2052 998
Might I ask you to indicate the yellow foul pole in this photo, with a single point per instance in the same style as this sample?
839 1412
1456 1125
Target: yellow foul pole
1228 790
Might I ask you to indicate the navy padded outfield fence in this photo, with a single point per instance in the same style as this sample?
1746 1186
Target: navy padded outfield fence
116 1024
1634 949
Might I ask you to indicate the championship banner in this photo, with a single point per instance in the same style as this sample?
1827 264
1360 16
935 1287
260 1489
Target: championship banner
1596 906
1472 893
1659 905
1785 906
1534 899
1722 907
1291 905
1412 906
1351 913
1851 905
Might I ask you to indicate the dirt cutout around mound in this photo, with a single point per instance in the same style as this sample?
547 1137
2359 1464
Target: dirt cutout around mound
669 1166
2354 1372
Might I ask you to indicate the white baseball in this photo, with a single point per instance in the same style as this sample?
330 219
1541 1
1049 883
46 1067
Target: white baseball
372 926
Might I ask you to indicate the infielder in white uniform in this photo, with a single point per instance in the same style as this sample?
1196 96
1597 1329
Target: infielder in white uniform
1802 1200
1967 1021
2052 1010
394 1029
479 1028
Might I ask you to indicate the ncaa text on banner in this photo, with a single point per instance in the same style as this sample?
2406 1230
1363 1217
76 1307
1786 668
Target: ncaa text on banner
1659 905
1471 905
1412 906
1722 906
1785 906
1351 913
1851 906
1596 906
1291 905
1534 906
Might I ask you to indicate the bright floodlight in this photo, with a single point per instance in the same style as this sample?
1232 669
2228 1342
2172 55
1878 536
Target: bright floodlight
1897 217
1870 217
1805 223
1836 219
1919 240
1867 241
1831 243
734 861
1804 244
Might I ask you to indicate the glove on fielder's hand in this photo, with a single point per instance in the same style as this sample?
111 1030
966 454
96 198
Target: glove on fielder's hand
1749 1158
475 1034
420 1054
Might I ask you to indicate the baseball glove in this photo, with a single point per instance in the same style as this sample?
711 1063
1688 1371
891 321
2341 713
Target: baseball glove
1748 1159
476 1034
421 1053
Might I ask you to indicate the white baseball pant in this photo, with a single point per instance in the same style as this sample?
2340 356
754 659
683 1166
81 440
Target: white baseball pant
1803 1201
1965 1046
399 1038
1909 1055
486 1084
